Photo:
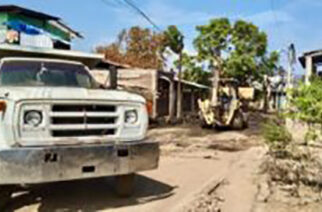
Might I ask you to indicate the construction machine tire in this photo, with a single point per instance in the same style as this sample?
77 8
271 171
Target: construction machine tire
204 124
238 122
125 185
5 195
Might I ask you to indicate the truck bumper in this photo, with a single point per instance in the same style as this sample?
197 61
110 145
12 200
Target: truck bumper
64 163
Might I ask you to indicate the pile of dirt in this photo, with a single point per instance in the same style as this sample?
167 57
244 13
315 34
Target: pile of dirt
293 178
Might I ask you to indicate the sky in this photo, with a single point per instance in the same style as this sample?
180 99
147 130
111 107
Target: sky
285 21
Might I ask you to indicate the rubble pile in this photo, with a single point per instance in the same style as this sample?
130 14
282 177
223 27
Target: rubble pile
293 177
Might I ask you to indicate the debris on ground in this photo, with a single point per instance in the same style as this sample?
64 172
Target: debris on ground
293 180
189 138
209 200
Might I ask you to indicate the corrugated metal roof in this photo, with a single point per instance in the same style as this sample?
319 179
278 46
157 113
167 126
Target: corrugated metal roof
194 84
89 59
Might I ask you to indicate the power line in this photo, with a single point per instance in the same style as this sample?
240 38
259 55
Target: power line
120 2
109 3
133 6
142 13
116 4
130 4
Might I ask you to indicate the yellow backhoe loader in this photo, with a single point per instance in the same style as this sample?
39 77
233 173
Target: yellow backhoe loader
226 110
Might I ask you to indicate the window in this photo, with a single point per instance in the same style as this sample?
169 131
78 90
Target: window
37 73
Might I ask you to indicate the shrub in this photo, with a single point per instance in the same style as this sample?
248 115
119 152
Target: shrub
276 135
306 106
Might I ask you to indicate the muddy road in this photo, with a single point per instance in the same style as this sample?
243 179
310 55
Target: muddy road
196 167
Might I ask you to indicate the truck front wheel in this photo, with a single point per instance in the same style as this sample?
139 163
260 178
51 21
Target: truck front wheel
5 195
125 185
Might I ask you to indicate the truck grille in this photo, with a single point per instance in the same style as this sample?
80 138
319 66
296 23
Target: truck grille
80 120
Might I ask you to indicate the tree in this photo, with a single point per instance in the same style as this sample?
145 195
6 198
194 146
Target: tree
175 42
137 47
235 50
212 40
111 52
193 71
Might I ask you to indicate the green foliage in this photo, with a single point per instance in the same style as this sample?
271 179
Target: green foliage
192 71
174 39
306 103
247 39
238 50
276 135
213 38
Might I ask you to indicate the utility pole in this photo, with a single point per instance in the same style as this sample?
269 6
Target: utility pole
291 60
291 57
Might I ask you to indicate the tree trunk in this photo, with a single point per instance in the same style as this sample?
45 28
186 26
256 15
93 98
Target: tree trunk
215 85
179 90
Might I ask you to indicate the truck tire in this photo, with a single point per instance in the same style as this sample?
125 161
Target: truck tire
5 195
125 185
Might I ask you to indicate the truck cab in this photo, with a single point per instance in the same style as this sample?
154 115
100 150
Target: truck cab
58 124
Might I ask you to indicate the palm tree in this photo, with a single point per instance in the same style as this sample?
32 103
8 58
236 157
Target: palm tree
175 41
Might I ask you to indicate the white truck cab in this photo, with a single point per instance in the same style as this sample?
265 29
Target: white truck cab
57 124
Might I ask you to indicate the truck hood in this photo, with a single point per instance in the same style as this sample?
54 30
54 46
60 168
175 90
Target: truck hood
67 93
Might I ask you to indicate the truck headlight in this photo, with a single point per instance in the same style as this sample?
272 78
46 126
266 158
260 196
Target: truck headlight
33 118
131 116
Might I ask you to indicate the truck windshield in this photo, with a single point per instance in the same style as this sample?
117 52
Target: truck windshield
37 73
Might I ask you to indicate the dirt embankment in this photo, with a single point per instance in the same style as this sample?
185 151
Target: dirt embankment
291 180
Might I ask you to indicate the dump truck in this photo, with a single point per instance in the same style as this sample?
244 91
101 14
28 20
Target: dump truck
58 124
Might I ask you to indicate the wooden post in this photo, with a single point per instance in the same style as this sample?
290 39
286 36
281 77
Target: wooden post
193 101
179 90
171 100
155 92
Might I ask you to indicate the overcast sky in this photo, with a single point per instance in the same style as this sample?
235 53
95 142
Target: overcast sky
285 21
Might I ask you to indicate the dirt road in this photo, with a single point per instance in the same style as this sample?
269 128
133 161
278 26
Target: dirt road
192 162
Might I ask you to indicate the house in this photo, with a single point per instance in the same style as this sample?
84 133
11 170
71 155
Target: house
25 27
311 61
29 33
158 87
